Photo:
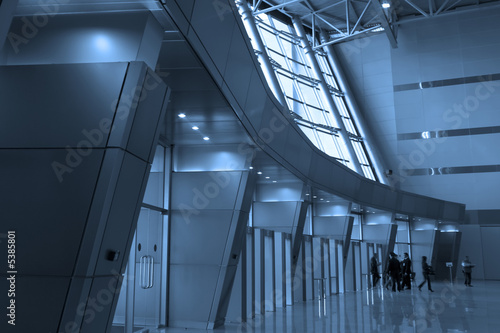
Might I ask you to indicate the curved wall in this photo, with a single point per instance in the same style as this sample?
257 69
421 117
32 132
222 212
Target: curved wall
216 33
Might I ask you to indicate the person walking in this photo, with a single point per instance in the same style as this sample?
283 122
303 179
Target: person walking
374 271
467 270
394 270
406 271
426 271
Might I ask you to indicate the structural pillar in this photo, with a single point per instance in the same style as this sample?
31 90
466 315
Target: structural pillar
207 221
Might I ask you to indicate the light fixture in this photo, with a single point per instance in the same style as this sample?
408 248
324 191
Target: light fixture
267 177
182 115
386 4
251 168
195 128
307 193
274 181
259 173
206 138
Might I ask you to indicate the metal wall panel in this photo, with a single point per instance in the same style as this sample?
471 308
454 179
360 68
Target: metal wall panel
204 15
73 38
190 305
269 215
211 158
331 226
35 290
195 191
59 109
202 241
41 209
291 191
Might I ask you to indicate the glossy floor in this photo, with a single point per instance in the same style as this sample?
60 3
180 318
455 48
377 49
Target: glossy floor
449 309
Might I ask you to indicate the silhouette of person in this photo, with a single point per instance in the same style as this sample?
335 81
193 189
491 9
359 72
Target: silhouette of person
406 271
426 271
394 270
467 270
374 270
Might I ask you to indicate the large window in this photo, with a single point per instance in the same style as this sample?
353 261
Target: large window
303 95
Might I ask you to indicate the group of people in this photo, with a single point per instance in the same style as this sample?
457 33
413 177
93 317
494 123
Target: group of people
400 272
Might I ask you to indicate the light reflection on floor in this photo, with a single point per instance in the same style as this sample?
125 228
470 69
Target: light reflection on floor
450 309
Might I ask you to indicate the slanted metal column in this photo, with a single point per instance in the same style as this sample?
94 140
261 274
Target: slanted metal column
208 217
361 126
247 16
299 29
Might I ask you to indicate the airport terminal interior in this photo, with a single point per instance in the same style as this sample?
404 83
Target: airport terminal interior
249 166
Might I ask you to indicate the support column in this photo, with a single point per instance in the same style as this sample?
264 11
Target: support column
78 131
338 228
311 56
356 115
282 208
209 214
73 185
381 228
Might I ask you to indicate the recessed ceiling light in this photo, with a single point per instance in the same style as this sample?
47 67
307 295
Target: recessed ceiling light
386 5
321 199
195 128
182 115
206 138
259 173
307 193
274 181
251 168
267 177
314 196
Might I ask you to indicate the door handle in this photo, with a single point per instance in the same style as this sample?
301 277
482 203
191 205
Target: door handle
147 272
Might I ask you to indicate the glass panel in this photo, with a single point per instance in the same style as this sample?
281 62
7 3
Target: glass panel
309 94
317 116
368 172
309 132
140 298
297 107
402 233
278 58
286 84
280 25
269 39
356 228
148 263
328 141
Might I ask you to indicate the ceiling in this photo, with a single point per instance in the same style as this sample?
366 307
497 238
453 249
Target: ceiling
347 19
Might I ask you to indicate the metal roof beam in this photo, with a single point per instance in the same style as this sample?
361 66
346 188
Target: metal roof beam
280 6
458 10
377 7
417 8
347 37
